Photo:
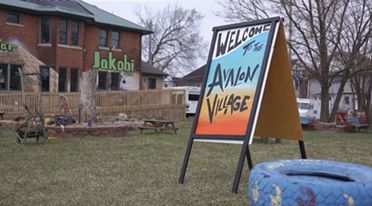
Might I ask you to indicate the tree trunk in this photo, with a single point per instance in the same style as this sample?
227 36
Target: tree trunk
340 92
369 95
88 97
353 97
324 113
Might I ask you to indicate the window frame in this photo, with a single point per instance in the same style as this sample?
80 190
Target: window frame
77 80
148 82
42 67
13 13
40 31
118 80
78 33
6 81
99 38
59 76
347 100
118 40
59 31
106 79
10 77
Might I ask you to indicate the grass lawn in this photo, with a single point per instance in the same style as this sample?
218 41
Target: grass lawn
143 169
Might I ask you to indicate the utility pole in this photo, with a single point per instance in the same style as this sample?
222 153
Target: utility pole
150 54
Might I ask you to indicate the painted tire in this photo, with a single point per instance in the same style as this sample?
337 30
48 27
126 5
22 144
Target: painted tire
310 183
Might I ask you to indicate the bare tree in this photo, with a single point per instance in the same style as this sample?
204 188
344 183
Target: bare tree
323 30
176 43
362 83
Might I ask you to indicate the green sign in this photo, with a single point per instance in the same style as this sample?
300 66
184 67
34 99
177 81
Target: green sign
125 66
7 47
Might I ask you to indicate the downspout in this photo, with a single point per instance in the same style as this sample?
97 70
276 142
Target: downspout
140 63
84 50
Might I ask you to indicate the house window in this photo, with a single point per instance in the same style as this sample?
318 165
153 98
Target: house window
103 38
4 77
115 84
44 76
44 30
13 18
10 78
63 31
15 78
102 80
115 39
62 79
152 83
347 100
75 33
74 83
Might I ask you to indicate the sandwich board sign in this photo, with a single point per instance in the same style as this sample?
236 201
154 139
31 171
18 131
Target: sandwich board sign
247 90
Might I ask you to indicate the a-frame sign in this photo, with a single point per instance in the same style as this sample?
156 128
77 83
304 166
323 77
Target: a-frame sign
247 90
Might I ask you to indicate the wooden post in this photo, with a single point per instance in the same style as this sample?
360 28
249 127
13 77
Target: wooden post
88 97
23 101
41 113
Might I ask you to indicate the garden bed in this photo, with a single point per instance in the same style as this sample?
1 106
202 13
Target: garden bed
82 131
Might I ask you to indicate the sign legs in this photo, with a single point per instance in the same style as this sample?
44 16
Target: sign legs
185 161
302 149
244 153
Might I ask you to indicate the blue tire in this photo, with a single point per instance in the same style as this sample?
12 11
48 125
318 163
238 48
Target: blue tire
310 183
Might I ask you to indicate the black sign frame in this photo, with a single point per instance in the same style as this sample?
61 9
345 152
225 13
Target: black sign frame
245 153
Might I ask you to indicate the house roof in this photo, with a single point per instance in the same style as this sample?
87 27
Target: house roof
30 66
76 8
196 75
70 4
149 69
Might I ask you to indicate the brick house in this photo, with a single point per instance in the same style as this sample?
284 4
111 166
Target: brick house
66 38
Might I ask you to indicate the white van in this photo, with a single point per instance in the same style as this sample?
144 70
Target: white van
192 95
309 107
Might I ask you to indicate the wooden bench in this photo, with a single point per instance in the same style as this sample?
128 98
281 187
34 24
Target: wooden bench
161 125
169 128
308 121
148 127
354 122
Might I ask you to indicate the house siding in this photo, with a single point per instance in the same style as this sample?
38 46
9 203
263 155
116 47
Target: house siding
159 81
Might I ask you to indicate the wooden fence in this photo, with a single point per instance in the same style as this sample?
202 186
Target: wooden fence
169 103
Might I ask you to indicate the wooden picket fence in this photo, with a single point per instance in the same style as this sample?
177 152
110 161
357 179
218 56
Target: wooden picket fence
168 103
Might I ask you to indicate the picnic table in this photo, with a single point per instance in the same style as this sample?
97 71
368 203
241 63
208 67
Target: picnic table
161 125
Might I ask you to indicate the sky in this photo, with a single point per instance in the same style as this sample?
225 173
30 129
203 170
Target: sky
125 9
